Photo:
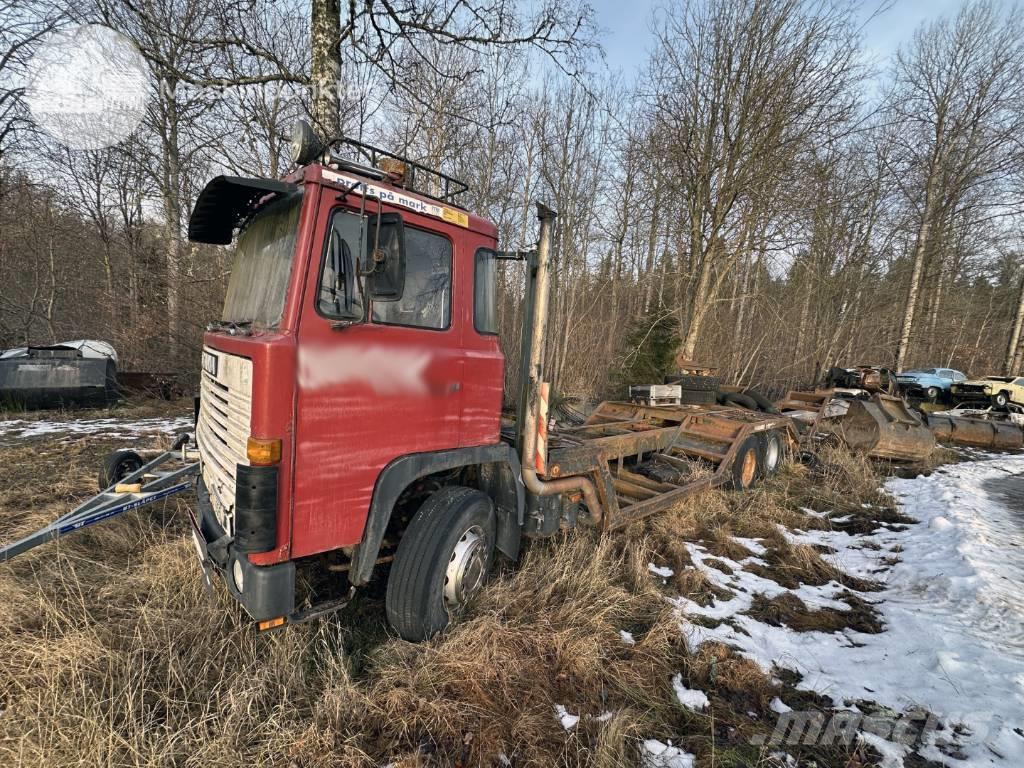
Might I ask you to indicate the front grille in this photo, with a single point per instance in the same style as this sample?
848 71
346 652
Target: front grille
223 429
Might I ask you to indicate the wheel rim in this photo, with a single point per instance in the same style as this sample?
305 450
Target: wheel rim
467 568
125 468
748 469
771 454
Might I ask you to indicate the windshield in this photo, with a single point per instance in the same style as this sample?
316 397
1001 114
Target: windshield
263 260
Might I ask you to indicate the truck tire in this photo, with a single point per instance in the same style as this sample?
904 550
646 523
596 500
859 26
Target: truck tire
746 468
117 466
442 560
740 400
694 382
763 403
773 451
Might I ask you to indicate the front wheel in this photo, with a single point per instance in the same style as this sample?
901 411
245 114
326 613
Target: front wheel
1001 399
932 393
442 561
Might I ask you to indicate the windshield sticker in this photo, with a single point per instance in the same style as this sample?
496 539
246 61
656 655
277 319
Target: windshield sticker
399 198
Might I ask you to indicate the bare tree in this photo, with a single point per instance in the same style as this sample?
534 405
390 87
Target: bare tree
958 94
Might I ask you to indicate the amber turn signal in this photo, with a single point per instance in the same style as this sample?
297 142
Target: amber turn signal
271 623
263 453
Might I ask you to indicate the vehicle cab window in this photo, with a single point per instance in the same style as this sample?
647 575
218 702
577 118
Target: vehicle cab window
485 284
339 295
427 299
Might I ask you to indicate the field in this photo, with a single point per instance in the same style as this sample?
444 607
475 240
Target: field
112 653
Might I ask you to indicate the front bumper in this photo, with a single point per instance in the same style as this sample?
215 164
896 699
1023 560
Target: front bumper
978 395
267 591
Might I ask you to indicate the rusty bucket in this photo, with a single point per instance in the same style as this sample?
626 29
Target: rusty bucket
882 427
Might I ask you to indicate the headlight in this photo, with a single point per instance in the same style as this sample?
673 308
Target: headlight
237 575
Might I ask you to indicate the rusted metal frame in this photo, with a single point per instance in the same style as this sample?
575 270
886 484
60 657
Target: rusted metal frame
632 490
701 452
657 504
646 482
621 423
582 459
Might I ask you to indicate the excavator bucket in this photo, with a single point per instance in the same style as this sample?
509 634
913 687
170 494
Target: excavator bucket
882 427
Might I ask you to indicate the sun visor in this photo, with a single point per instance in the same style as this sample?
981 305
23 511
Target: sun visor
227 202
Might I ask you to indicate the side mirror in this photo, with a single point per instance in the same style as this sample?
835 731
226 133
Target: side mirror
385 257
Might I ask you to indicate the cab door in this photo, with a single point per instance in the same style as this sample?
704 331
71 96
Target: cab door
375 380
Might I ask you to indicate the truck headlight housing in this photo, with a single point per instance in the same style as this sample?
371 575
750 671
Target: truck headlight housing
238 575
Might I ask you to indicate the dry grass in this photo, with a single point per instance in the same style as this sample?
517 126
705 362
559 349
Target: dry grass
121 659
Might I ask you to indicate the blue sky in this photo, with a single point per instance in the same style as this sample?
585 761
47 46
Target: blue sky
627 37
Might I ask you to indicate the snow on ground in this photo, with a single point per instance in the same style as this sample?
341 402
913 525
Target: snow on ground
657 754
689 697
14 430
951 604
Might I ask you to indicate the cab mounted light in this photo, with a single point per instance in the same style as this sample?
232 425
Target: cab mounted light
263 452
306 146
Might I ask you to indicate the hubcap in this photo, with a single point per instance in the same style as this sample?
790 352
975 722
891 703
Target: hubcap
771 454
466 568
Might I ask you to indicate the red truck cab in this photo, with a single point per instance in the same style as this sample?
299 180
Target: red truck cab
320 390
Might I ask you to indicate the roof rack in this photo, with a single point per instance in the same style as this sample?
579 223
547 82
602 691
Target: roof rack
418 178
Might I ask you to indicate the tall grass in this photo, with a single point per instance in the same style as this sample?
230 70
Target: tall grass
112 653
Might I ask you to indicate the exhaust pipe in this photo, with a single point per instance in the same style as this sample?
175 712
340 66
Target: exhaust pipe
533 461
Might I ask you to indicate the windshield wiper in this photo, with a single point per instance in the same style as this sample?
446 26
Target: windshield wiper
240 328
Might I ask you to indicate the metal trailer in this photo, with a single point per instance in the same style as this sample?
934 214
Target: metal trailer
644 458
150 483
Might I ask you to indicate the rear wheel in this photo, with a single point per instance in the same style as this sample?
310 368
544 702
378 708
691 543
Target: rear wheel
442 561
118 466
772 452
747 466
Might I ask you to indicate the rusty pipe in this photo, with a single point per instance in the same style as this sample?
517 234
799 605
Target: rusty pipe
531 479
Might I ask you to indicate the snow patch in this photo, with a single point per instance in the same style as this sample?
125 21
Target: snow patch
953 641
656 754
688 697
660 570
567 720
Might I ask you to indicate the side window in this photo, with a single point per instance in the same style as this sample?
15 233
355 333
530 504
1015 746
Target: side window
485 285
338 296
1020 381
957 376
945 373
427 299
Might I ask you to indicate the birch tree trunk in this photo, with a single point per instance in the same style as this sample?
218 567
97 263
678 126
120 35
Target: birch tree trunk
325 68
1013 351
920 247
